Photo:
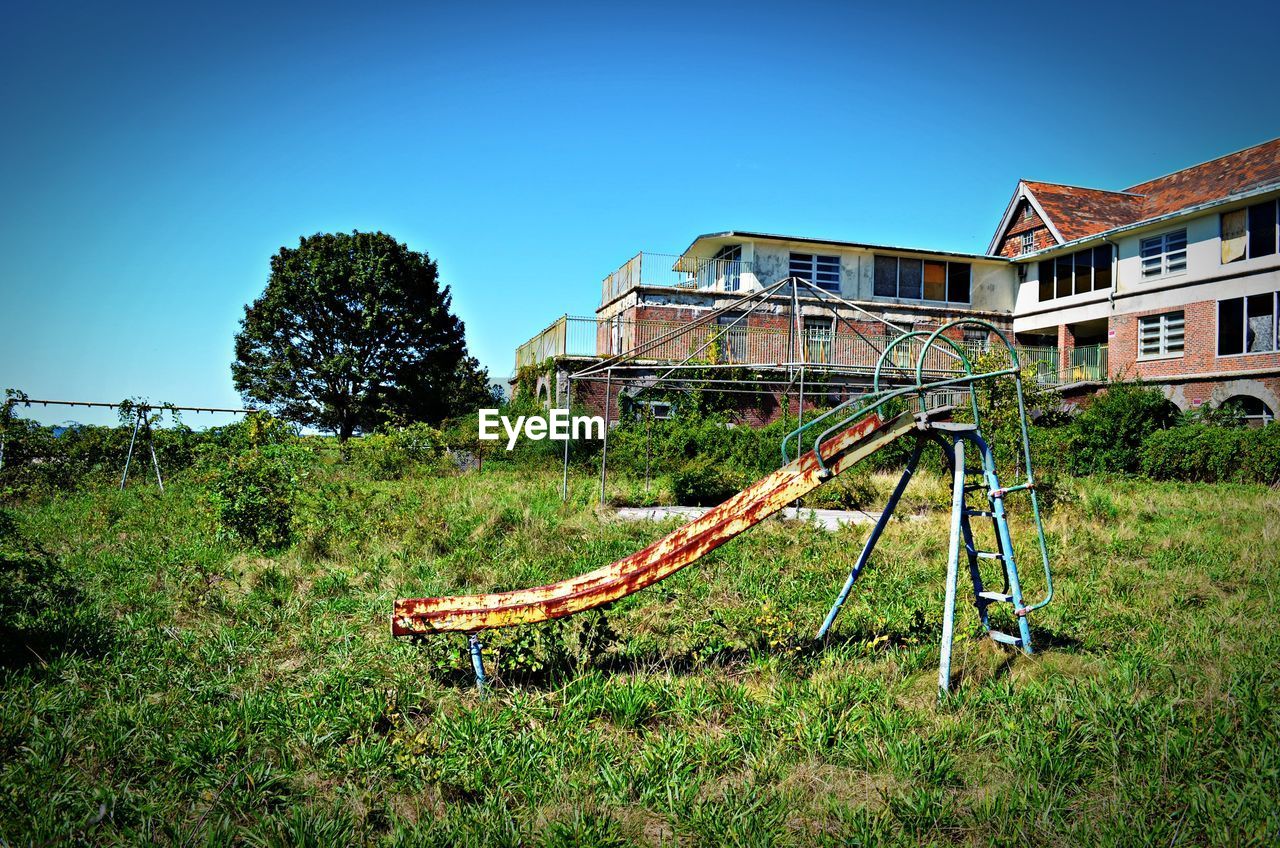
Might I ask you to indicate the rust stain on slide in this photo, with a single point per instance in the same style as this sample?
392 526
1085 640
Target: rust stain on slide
659 560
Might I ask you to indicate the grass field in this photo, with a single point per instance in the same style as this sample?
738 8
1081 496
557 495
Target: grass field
192 692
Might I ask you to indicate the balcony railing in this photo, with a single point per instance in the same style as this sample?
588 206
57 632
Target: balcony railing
1087 363
580 336
671 271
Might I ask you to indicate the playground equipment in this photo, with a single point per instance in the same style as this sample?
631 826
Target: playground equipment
850 432
142 422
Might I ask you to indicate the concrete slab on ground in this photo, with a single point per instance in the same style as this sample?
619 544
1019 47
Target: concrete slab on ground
828 519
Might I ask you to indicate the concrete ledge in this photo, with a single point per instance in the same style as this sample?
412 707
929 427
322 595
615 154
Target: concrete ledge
828 519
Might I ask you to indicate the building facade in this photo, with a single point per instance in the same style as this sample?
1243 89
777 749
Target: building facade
1175 281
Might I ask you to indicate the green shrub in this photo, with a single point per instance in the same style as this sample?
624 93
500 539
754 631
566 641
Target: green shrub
391 455
704 482
254 494
1205 453
848 491
1109 433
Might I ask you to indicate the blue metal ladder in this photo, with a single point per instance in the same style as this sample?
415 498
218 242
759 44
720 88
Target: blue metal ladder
967 481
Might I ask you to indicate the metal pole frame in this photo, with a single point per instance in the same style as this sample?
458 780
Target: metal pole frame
128 457
870 544
604 450
953 566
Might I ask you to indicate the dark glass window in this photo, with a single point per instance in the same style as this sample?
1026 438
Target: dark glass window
959 281
1231 326
1046 280
886 276
1102 267
910 278
1084 271
1064 276
1262 229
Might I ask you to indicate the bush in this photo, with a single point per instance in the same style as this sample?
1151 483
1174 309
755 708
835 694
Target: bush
1205 453
255 493
704 482
848 491
391 455
1108 435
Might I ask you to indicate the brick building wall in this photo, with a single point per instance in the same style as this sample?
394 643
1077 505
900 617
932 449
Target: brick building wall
1011 241
1199 376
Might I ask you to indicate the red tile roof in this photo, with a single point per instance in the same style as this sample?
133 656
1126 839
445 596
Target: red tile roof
1236 172
1080 212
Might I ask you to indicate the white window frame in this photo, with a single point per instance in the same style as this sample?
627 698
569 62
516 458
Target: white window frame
1169 331
1249 231
813 267
1244 326
1164 255
1028 242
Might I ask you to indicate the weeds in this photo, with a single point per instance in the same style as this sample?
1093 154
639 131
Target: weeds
249 697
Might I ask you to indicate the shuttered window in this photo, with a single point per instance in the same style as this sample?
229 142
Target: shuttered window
1164 254
1161 335
822 271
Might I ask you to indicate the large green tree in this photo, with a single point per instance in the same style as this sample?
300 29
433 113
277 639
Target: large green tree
355 330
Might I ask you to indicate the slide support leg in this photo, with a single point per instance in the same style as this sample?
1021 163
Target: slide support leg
881 523
477 659
953 566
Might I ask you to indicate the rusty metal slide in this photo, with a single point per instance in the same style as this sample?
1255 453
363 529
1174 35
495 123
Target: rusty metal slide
469 613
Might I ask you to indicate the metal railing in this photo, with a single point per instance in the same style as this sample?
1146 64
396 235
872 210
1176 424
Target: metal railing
672 271
571 335
1087 363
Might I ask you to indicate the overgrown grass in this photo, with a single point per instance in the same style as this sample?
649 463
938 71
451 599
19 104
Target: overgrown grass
210 694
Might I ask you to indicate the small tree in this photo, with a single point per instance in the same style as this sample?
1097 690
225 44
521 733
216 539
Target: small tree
355 330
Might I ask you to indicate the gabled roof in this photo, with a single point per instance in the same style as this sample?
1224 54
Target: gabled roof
1072 212
1078 212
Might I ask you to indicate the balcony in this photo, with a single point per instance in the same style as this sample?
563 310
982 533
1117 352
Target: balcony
1088 363
670 271
570 336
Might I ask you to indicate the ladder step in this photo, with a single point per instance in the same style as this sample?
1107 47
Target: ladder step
975 487
989 555
1005 638
984 513
999 597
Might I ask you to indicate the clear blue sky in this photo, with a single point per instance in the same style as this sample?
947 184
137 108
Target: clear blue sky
155 157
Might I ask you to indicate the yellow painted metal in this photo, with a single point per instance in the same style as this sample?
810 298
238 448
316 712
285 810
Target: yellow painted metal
661 559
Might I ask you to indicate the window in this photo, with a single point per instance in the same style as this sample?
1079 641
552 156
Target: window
1026 211
818 336
1161 335
732 343
922 279
724 271
822 271
1076 273
661 410
1164 254
1247 324
1028 241
1249 233
976 338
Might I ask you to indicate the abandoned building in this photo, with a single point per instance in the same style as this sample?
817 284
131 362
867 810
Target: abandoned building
1174 281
